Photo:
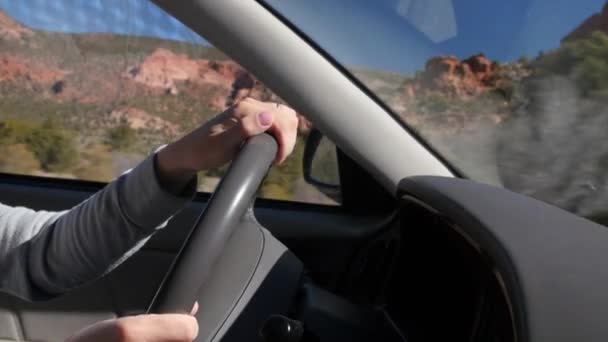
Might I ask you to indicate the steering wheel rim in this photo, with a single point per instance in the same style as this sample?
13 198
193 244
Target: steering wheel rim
232 199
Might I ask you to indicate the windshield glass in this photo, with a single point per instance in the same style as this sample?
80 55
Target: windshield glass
90 88
512 93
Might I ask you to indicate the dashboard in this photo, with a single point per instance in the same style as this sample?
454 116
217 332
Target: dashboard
443 288
470 262
483 263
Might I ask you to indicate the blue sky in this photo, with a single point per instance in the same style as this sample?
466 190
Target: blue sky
137 17
391 34
398 35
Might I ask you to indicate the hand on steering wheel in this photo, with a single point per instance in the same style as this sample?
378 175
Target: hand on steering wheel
203 246
150 328
217 141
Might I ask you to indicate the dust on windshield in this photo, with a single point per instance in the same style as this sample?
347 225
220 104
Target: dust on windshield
513 93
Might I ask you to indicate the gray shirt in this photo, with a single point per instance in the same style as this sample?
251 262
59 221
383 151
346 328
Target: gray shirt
43 254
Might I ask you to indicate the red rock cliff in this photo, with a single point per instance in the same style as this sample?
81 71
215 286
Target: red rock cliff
448 75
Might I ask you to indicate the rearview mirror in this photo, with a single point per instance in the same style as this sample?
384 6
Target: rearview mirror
320 165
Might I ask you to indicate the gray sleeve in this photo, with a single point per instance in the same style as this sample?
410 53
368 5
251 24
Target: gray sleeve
43 254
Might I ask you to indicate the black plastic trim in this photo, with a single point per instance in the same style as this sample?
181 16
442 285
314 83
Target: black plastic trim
93 186
551 261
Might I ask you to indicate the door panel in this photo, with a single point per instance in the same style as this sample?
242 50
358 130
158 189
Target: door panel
57 319
325 239
311 231
127 290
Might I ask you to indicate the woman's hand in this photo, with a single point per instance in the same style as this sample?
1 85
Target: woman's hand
142 328
217 141
148 328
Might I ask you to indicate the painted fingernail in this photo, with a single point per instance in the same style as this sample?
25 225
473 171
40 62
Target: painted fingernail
265 118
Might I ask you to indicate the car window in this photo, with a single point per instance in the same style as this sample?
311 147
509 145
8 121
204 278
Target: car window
511 93
89 88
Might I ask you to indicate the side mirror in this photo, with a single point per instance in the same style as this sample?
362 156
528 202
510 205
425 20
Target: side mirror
320 165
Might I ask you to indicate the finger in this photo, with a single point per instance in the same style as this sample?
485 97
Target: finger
285 131
158 328
283 126
194 310
281 137
246 106
249 126
98 332
255 124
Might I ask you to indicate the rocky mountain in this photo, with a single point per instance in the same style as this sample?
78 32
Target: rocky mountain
452 77
451 95
597 22
500 122
179 82
169 72
12 30
30 74
106 100
164 70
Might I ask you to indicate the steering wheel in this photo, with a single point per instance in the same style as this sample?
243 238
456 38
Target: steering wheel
232 200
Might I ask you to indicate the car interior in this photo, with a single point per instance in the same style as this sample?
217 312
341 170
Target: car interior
413 252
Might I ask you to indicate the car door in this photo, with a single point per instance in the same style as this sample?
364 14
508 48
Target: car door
85 99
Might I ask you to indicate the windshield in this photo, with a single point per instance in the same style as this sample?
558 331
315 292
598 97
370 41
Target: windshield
512 93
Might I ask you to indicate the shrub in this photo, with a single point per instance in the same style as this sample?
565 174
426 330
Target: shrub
275 191
524 60
121 137
95 164
435 104
18 159
53 146
5 133
14 131
585 60
282 179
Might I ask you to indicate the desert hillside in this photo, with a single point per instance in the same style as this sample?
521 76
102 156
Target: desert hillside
536 125
597 22
91 105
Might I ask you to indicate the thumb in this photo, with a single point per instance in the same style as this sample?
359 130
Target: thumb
247 127
167 327
151 328
252 125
